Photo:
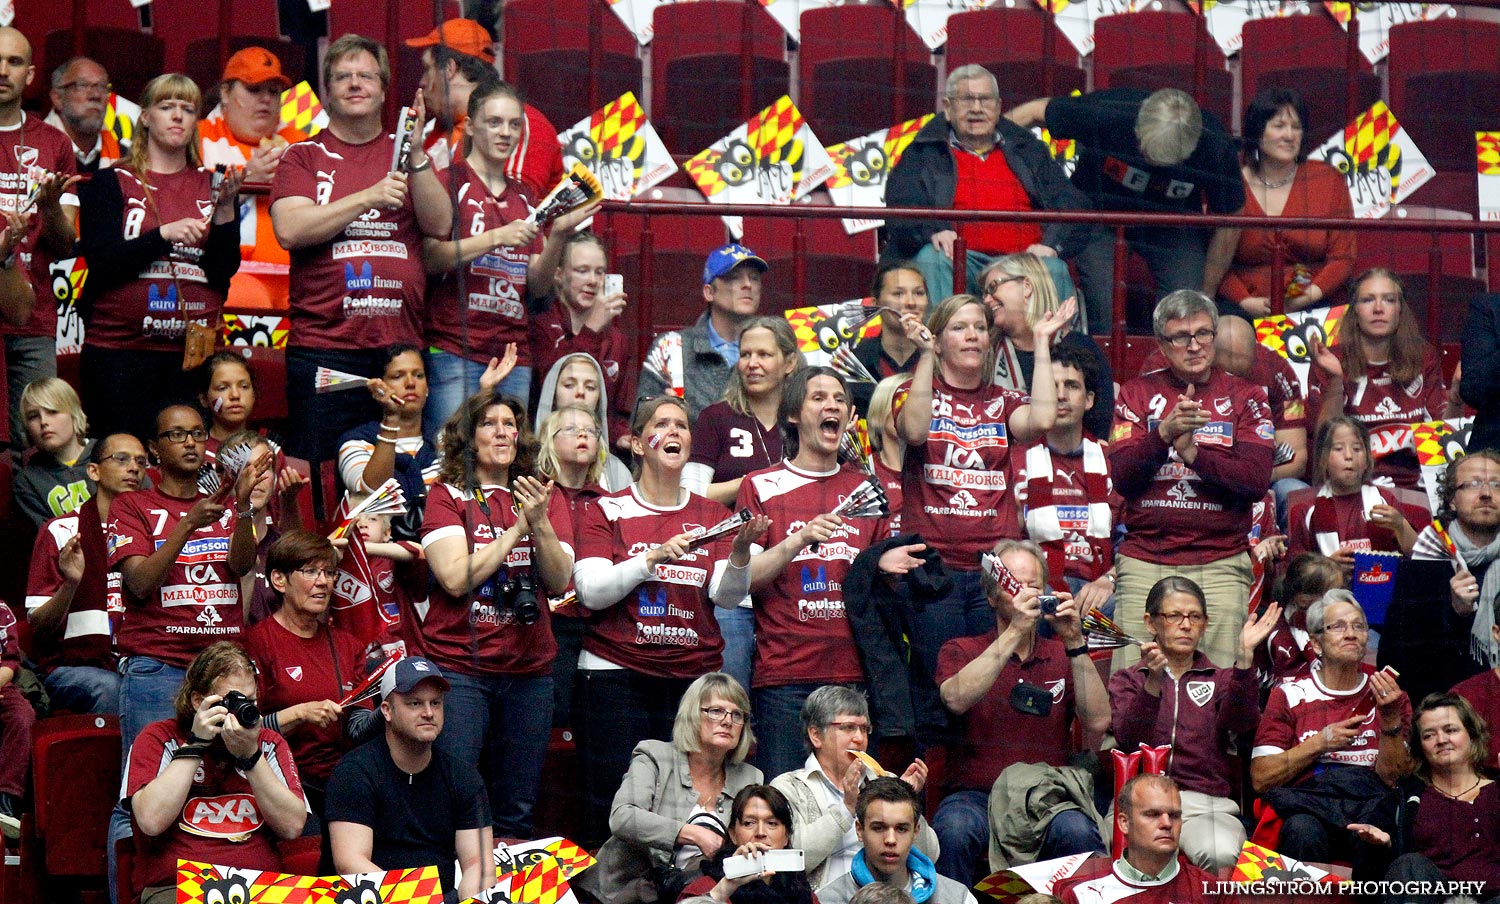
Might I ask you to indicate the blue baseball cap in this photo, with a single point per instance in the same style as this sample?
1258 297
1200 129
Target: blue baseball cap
407 673
722 260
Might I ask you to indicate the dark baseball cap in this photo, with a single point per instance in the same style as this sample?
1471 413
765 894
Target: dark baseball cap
407 673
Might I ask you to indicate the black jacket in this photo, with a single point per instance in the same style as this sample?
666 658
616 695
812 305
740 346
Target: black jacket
1480 385
927 176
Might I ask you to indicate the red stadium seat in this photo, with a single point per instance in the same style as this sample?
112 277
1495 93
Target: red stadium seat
299 856
75 775
680 244
1155 50
131 57
848 68
697 69
1018 62
181 23
837 266
37 18
560 802
1444 131
1304 53
1442 45
547 53
125 892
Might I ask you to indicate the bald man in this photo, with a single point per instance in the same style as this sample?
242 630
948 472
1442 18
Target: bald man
32 153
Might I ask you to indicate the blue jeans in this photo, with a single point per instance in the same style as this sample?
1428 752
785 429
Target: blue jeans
503 724
737 626
453 378
781 742
148 690
964 612
962 824
83 689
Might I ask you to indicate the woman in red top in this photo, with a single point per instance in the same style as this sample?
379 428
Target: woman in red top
491 534
304 665
960 428
162 244
1281 182
1383 374
652 590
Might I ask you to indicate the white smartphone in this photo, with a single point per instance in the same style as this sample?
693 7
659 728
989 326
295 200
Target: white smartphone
783 861
614 284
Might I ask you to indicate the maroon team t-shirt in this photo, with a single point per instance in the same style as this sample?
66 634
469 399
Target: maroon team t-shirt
494 282
1388 409
477 634
1299 709
802 631
26 153
151 313
292 669
958 493
86 636
199 601
364 288
665 626
734 444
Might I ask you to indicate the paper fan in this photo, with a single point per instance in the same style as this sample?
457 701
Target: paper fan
867 501
848 364
579 186
210 480
329 380
388 499
854 445
234 459
728 525
1103 633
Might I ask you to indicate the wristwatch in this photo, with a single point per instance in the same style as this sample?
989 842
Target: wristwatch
246 763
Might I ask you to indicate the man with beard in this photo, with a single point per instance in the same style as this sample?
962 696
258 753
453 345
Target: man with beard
80 93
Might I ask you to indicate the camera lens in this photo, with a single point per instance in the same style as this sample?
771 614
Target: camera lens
243 708
1049 604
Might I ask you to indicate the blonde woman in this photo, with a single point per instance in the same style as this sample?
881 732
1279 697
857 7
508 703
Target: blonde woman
162 244
887 451
1019 291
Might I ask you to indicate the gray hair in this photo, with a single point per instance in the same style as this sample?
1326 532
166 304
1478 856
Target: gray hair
1180 305
1005 547
965 73
828 703
1168 126
1317 611
686 733
60 74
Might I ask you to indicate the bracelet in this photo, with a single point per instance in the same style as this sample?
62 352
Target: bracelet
1111 576
385 439
190 751
1393 733
426 164
393 428
246 763
1078 651
245 514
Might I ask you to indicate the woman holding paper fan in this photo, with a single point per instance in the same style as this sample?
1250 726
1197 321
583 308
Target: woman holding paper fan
1019 291
651 566
959 428
1382 373
1349 514
477 300
274 511
394 446
1281 182
305 665
162 239
491 535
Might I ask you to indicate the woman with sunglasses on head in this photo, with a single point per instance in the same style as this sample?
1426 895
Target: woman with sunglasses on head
652 588
162 243
304 663
1175 696
1383 374
497 544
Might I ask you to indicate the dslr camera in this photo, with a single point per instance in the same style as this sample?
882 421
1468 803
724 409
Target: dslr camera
242 708
518 594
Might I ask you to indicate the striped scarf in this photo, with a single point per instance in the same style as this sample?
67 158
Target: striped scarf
1045 517
1323 522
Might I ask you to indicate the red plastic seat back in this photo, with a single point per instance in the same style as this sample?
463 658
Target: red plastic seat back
75 772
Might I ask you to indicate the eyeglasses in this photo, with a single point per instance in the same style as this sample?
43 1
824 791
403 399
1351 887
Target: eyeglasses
340 78
125 458
1344 627
179 436
851 727
87 87
312 574
995 284
719 714
579 431
974 100
1177 618
1493 484
1202 337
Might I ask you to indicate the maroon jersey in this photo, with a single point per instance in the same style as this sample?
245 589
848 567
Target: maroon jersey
88 629
665 626
1176 514
734 444
28 150
552 340
1068 504
478 634
1300 709
804 636
1283 388
1326 522
996 734
1483 692
1288 654
1099 881
1388 410
890 481
364 288
291 670
220 821
151 313
197 603
494 310
958 493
